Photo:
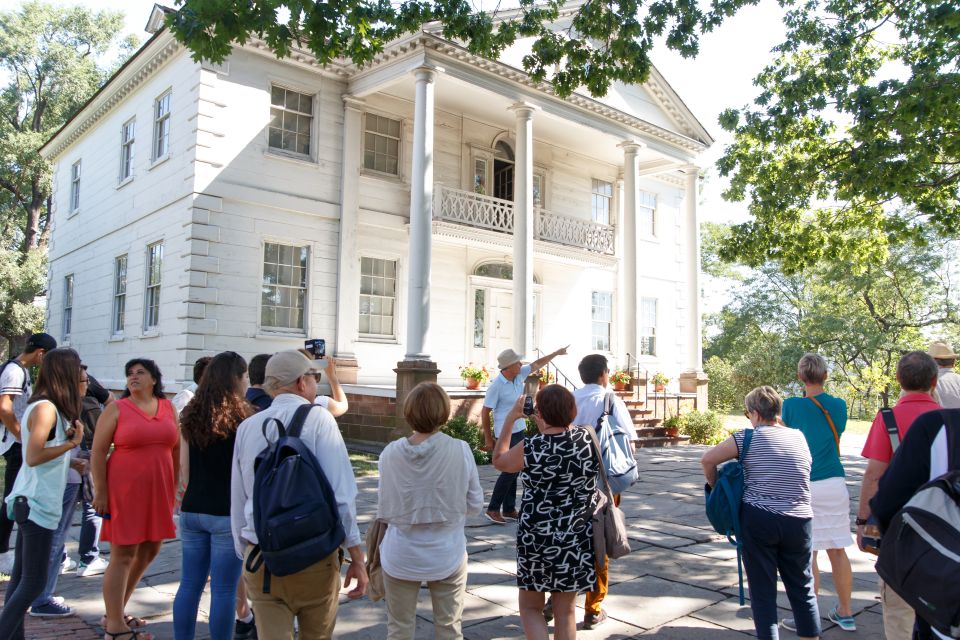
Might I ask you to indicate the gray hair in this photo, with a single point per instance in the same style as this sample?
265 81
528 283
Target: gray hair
765 401
812 369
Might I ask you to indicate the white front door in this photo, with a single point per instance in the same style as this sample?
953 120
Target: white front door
501 322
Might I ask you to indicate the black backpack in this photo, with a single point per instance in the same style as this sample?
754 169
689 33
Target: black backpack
920 553
295 511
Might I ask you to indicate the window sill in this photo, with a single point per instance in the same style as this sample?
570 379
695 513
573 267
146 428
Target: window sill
73 213
267 332
117 337
124 182
64 343
286 156
384 177
158 162
378 339
150 333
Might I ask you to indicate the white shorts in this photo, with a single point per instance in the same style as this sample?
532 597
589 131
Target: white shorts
831 514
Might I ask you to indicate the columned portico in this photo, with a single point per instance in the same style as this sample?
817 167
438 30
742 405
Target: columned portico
628 298
523 231
693 379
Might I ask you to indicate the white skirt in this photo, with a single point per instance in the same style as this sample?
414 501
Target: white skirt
831 514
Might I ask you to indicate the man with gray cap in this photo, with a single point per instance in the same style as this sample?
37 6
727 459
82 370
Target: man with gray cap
310 595
948 380
501 395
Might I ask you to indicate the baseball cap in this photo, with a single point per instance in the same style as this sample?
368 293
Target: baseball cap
941 350
284 367
507 358
43 341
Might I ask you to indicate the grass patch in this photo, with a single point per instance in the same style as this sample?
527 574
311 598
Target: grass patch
364 464
735 422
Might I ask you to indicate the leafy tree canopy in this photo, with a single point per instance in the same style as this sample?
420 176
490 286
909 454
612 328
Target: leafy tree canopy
853 143
602 42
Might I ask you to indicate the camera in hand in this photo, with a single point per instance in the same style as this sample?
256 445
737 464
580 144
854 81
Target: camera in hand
528 406
317 347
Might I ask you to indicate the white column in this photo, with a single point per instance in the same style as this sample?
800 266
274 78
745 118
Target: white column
523 231
348 281
421 218
628 298
694 351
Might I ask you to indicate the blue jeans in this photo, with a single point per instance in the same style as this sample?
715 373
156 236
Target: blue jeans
505 491
70 494
772 543
90 525
207 549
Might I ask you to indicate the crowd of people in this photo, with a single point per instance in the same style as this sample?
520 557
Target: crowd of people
136 461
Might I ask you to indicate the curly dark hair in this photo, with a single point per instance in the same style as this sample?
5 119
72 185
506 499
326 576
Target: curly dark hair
152 369
217 408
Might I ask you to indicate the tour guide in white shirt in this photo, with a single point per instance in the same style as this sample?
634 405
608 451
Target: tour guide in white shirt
501 395
311 594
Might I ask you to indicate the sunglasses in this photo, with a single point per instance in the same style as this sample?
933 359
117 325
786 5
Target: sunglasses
315 374
746 414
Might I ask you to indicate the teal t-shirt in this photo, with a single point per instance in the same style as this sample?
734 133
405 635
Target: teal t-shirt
803 414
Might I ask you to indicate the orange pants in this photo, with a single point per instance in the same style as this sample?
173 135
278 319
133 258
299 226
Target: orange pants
594 598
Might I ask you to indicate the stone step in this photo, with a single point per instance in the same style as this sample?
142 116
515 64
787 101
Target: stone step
660 441
646 422
652 431
633 404
639 413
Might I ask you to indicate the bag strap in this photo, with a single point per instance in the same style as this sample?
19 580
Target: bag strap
747 437
299 417
826 414
951 419
890 422
603 470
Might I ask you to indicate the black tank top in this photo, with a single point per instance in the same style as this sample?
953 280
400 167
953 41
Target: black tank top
208 490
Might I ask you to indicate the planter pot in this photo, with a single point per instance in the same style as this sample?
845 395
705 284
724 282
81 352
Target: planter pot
618 386
541 385
472 383
672 432
658 387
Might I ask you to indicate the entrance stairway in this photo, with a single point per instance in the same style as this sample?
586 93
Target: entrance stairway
649 433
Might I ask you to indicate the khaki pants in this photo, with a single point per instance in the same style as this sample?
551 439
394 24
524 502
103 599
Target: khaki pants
447 598
594 598
309 595
898 616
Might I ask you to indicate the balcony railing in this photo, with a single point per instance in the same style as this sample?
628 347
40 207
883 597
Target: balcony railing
486 212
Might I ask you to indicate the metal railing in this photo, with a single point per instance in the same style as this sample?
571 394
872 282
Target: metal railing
634 365
559 376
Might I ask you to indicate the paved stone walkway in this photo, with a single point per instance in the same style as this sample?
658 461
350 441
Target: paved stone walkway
679 582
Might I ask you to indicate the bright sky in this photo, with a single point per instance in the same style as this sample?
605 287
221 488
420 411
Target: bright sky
719 77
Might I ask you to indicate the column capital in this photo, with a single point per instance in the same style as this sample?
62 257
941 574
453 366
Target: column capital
427 72
631 146
691 170
350 101
523 109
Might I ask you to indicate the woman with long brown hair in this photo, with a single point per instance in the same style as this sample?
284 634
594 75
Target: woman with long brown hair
208 429
134 489
50 430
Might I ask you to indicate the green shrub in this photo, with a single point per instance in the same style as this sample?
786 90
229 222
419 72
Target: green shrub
703 427
470 433
722 392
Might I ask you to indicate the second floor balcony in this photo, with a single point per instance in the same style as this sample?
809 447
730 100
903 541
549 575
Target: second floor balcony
495 214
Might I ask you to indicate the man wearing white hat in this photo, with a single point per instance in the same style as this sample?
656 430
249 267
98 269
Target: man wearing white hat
948 380
501 395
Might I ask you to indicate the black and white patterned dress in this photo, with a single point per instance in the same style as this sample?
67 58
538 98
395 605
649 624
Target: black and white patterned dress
555 533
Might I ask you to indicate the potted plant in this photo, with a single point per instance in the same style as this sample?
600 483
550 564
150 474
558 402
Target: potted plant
620 379
671 426
544 377
473 376
659 381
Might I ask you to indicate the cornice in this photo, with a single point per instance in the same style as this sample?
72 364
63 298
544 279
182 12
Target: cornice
154 54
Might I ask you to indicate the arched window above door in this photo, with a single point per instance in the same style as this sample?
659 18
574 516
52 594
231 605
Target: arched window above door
503 151
499 270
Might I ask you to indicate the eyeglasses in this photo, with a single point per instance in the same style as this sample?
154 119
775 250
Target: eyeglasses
314 374
746 414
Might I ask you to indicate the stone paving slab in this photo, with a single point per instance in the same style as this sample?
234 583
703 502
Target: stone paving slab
680 581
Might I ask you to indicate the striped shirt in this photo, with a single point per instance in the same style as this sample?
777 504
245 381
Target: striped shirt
776 471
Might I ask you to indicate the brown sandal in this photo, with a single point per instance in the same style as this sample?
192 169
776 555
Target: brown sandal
131 621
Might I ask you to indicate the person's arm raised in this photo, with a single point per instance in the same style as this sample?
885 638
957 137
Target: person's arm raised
539 363
505 458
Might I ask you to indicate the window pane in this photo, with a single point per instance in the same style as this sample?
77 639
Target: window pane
276 95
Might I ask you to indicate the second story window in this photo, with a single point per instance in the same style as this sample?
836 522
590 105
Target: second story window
291 120
151 305
119 294
381 144
161 126
67 306
602 200
75 186
647 213
283 295
126 149
601 317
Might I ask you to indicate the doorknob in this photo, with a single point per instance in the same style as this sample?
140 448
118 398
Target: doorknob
498 324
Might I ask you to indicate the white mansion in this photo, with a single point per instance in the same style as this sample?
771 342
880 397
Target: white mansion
431 206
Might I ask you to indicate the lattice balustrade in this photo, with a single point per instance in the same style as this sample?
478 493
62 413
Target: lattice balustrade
575 232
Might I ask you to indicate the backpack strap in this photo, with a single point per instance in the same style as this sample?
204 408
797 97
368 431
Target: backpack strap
890 422
299 417
826 414
747 437
607 410
603 469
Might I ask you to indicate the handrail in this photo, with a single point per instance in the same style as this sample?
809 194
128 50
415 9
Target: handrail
646 377
567 381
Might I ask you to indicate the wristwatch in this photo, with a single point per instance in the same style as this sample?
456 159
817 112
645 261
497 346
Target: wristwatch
860 521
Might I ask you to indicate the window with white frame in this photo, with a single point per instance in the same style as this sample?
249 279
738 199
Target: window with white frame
479 318
75 186
602 199
151 298
161 126
381 144
284 292
480 175
67 306
648 326
378 296
127 135
119 293
538 189
601 317
291 120
647 213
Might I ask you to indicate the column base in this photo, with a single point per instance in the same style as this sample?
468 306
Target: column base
696 382
347 369
410 373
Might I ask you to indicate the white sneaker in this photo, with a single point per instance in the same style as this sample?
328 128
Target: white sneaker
96 567
68 565
6 562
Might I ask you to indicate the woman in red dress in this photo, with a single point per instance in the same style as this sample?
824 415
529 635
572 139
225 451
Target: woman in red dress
134 489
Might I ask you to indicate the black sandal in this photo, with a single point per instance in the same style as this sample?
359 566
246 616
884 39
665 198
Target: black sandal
133 634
